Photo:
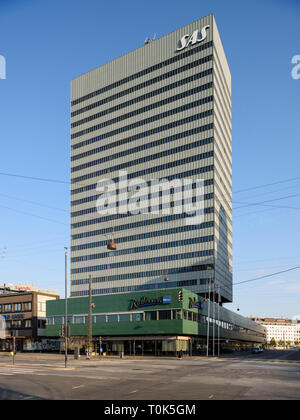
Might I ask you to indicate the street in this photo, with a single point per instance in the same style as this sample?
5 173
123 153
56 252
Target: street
274 374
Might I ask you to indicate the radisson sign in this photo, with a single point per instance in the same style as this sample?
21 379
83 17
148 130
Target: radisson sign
165 300
188 39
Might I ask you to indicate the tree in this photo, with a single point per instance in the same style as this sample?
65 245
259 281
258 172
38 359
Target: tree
272 342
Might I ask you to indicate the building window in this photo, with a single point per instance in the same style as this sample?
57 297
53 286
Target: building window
151 316
58 320
27 306
177 314
18 307
138 317
99 318
17 324
7 307
28 323
78 319
164 315
41 323
112 318
124 317
50 321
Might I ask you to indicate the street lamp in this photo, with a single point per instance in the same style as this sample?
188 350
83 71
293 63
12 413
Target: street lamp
111 246
66 307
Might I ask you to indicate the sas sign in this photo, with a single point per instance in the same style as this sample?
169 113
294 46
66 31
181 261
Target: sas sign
188 39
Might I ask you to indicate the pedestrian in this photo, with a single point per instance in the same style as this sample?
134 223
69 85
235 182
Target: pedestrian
88 353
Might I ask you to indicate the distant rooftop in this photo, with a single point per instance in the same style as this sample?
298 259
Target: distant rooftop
8 288
273 320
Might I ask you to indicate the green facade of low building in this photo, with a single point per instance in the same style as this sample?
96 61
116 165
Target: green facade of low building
172 314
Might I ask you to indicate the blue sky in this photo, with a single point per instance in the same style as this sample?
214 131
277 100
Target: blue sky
47 43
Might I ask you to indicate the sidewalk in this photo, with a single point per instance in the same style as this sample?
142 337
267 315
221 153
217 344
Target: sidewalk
58 360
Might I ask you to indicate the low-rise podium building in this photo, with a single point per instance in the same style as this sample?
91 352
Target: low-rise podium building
155 322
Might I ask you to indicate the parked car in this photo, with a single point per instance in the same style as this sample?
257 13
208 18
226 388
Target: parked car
257 350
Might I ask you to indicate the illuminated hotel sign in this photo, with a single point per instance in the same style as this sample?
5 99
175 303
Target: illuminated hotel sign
195 304
165 300
188 39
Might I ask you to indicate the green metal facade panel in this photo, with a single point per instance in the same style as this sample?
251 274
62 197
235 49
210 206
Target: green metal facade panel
122 303
124 328
118 303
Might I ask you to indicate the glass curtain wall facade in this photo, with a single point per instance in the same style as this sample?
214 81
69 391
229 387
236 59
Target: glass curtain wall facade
162 111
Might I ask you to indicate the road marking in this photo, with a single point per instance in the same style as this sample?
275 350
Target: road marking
132 392
14 371
211 396
79 386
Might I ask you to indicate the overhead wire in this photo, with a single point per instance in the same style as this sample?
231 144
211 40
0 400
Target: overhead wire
268 275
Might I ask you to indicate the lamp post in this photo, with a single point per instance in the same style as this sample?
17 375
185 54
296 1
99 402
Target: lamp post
66 307
219 321
14 345
208 318
111 246
90 317
214 318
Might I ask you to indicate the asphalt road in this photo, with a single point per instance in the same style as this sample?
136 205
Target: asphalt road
272 375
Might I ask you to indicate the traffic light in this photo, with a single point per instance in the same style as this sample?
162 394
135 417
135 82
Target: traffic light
63 330
180 296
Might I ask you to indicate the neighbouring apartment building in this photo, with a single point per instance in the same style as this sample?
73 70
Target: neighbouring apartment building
23 315
281 330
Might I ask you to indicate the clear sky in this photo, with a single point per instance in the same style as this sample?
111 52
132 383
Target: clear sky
47 43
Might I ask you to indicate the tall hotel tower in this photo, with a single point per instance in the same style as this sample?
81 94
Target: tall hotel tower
162 111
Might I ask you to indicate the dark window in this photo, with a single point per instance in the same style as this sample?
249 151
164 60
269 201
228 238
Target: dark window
151 315
100 318
138 317
112 318
124 317
41 323
58 320
177 314
164 315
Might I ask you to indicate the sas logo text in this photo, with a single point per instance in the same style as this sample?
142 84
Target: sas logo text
296 69
188 39
2 67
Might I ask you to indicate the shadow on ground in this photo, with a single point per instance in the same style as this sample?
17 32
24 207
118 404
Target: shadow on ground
7 394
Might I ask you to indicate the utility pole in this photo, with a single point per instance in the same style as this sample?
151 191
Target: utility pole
218 321
14 345
90 316
66 307
208 316
214 318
